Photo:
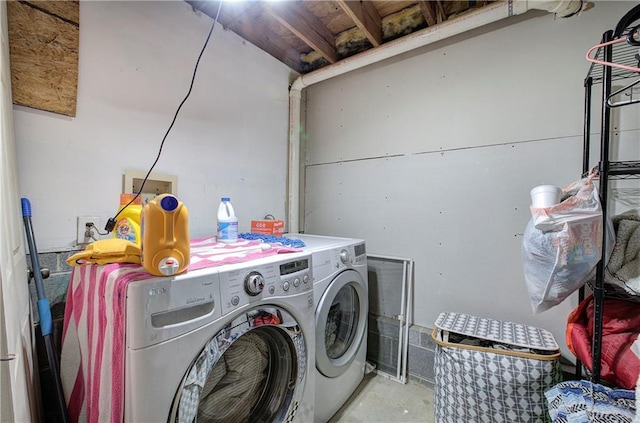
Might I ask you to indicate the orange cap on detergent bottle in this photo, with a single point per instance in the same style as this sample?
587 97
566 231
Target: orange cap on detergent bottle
165 236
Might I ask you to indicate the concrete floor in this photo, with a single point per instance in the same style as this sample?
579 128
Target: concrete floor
381 400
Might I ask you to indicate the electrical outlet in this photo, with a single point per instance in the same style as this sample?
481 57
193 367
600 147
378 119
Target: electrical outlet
86 235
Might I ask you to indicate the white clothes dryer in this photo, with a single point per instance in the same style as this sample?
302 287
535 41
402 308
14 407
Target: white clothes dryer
340 287
228 344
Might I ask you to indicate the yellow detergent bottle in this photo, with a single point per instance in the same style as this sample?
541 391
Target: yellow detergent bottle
128 223
165 236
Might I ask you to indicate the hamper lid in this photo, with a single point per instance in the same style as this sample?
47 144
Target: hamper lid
497 330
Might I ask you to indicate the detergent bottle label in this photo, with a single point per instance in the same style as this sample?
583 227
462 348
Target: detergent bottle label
124 230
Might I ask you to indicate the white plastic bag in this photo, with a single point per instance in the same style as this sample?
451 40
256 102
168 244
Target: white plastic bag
580 203
562 245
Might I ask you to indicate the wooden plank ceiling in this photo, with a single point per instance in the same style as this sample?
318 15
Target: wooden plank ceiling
309 34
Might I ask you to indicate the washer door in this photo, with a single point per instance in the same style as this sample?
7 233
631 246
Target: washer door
251 371
341 322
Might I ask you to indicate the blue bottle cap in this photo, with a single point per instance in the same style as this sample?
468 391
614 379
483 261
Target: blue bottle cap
169 203
225 199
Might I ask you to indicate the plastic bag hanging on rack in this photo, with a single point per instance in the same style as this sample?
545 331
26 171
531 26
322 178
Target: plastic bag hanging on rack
562 245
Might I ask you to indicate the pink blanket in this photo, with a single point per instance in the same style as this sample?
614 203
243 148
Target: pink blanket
93 337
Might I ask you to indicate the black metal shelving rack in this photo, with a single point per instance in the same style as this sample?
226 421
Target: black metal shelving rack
625 54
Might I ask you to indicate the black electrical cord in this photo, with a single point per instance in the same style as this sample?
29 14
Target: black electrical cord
111 223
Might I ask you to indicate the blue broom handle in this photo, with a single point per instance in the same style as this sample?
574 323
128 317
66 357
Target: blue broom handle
46 322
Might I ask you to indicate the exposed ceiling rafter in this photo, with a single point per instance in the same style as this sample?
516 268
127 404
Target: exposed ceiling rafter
366 17
307 27
309 34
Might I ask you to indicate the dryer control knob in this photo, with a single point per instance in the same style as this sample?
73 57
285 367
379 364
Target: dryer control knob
254 283
344 256
305 278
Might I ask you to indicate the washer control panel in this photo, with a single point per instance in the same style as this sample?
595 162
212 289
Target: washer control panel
349 255
254 283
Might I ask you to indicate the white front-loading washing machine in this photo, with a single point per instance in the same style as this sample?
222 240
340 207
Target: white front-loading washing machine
340 287
227 344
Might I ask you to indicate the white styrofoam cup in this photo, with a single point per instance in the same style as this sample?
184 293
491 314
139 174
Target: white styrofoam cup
544 196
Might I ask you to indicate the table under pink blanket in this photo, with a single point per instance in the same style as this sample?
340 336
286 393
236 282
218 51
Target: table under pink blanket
93 337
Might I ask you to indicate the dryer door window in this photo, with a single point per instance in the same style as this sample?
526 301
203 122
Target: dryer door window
252 371
341 320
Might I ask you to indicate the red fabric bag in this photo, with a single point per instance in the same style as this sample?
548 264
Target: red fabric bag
620 328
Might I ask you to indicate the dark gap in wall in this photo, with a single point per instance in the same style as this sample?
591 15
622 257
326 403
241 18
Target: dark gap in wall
47 383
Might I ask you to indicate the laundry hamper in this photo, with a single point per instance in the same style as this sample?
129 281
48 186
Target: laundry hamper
492 371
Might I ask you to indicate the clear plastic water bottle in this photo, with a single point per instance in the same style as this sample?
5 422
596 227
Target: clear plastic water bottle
227 222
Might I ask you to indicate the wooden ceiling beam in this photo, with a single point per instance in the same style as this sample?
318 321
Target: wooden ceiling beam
442 16
297 19
366 17
428 9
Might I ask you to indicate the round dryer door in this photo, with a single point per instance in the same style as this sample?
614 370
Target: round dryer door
341 322
251 371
